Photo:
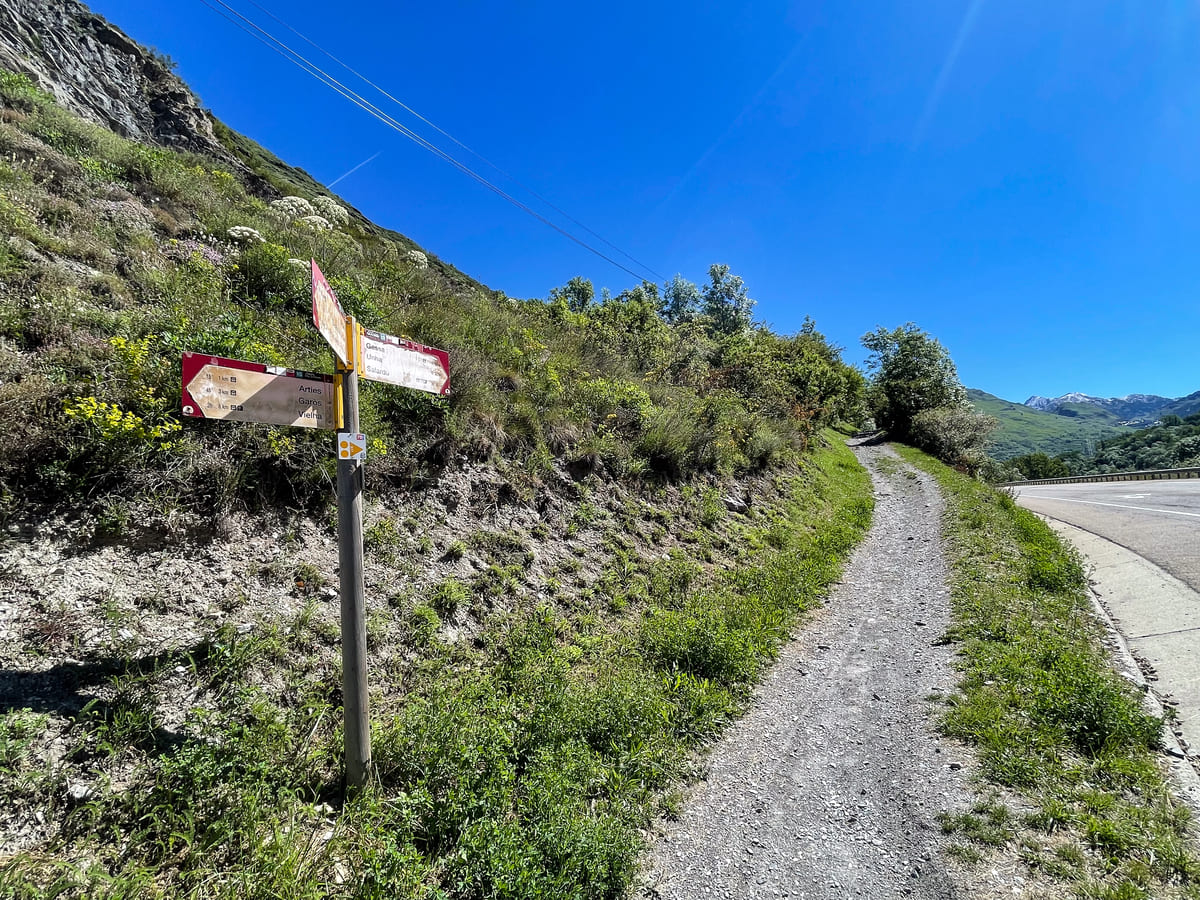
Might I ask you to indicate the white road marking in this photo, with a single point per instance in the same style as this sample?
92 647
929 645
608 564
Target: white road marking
1165 512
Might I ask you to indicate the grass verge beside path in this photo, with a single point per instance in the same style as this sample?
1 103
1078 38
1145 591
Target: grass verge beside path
523 766
1051 719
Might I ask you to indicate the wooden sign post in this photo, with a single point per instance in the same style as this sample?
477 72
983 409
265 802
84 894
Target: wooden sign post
355 698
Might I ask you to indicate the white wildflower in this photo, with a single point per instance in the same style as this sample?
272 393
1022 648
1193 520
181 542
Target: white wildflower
316 223
244 234
331 210
292 207
418 259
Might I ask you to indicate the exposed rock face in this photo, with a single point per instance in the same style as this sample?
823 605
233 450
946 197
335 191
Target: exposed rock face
97 71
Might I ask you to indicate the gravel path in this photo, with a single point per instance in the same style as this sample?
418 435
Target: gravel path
829 785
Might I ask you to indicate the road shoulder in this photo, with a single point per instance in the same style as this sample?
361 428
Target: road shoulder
1155 620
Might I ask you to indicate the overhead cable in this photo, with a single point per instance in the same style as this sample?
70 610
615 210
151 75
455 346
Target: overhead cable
449 136
299 60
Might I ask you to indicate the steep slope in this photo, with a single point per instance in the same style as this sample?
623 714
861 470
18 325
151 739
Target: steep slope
98 72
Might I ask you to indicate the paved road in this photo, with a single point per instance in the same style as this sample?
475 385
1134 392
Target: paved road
1159 520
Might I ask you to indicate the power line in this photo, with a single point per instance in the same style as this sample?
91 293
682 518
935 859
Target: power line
300 61
449 136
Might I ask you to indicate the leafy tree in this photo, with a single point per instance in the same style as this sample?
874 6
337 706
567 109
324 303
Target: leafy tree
681 301
724 301
916 396
578 294
912 372
1040 465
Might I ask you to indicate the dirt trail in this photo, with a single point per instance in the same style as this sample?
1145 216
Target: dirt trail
830 784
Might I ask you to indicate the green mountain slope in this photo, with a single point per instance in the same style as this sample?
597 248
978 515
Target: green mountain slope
1076 426
291 180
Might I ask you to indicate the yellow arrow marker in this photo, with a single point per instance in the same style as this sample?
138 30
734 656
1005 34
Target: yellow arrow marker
352 446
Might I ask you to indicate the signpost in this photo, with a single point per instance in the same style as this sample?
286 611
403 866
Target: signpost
218 388
350 575
238 391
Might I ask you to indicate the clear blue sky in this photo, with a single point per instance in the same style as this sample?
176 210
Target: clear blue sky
1019 178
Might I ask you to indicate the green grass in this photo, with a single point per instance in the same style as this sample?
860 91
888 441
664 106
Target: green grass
526 765
1051 720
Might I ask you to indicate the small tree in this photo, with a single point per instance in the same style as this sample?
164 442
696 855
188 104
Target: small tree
680 301
911 372
916 396
578 293
725 302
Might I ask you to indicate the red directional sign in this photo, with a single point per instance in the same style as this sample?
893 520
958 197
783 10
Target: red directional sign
218 388
383 357
329 317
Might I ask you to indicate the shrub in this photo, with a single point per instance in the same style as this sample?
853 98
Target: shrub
612 403
957 435
264 276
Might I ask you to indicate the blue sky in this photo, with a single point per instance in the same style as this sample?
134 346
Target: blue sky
1019 178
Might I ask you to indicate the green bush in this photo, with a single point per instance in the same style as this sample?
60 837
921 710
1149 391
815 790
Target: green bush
263 276
956 435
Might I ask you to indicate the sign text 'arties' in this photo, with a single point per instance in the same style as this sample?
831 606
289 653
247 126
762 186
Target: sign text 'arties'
218 388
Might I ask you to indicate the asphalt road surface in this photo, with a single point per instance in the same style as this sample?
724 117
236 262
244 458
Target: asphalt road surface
1158 520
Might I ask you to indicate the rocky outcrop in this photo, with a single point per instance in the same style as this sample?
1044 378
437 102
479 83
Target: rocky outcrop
99 72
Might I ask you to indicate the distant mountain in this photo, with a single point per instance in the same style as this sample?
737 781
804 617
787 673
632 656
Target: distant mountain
1072 422
1027 429
1138 410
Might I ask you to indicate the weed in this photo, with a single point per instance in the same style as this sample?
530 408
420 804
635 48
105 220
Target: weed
307 578
382 535
18 731
423 622
447 596
712 508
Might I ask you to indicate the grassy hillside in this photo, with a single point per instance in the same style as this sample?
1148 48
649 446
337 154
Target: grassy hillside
1171 445
1079 782
121 256
289 180
523 763
1077 427
577 563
